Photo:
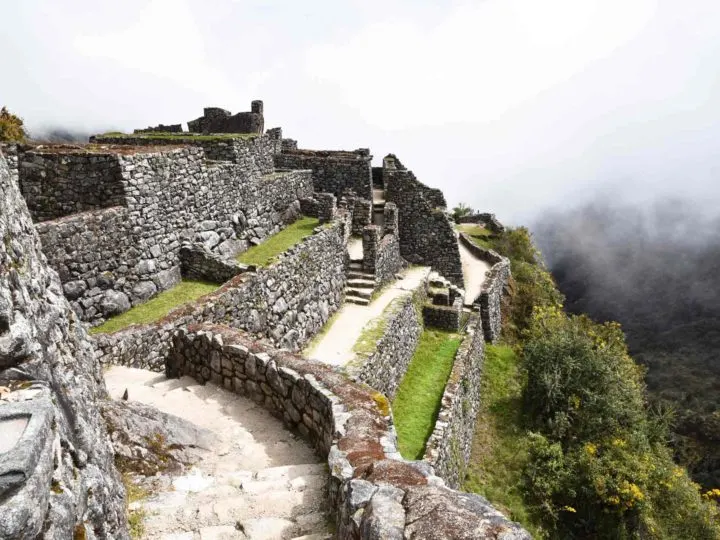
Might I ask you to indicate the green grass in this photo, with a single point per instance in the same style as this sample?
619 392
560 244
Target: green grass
263 254
418 398
158 307
181 136
499 451
479 235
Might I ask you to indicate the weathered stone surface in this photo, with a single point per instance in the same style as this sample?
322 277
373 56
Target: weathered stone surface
442 514
162 196
74 482
147 440
427 235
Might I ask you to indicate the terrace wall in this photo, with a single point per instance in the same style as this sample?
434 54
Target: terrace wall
111 259
426 232
286 303
449 447
333 171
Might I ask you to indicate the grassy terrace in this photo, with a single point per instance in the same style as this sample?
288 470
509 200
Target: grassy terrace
479 235
500 446
156 308
417 401
172 136
264 254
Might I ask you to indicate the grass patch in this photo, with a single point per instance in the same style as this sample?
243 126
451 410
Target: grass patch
480 236
156 308
263 254
418 398
180 136
500 446
136 517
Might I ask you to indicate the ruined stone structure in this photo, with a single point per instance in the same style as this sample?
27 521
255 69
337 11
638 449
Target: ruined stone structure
57 476
125 217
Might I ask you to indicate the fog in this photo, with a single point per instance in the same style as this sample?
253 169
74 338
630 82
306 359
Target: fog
512 106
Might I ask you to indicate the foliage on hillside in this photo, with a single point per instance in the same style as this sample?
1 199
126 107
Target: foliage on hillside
581 454
11 127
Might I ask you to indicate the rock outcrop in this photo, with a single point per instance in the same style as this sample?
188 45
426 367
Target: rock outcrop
57 475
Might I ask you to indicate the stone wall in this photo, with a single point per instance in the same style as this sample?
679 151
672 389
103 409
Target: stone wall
286 303
58 480
449 447
198 262
373 492
217 120
114 258
426 232
487 219
10 151
61 181
400 327
333 171
493 288
253 154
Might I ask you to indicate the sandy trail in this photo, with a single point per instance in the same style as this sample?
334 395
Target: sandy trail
473 273
261 482
336 345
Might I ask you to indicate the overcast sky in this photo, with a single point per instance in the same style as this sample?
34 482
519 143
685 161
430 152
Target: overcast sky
513 106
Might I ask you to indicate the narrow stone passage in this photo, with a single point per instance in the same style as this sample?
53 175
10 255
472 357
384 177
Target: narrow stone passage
261 482
474 273
336 345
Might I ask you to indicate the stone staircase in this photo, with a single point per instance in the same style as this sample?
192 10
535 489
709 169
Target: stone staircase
259 483
360 284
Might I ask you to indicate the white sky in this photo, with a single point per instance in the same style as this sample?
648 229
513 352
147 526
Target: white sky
513 106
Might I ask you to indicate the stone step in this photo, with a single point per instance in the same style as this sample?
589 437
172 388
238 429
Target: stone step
268 528
362 293
357 283
357 300
316 536
290 472
359 274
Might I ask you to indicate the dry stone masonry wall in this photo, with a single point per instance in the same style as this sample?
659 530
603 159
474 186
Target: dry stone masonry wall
286 303
111 259
492 289
401 326
374 492
333 171
426 232
57 476
450 444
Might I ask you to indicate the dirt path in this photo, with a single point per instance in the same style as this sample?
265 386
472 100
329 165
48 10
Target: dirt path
260 483
473 273
336 345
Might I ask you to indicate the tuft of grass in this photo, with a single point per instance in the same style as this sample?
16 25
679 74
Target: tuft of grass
263 254
417 402
480 236
157 307
500 446
135 493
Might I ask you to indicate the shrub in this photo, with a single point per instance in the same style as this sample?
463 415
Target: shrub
11 127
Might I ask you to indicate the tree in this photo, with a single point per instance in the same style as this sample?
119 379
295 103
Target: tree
460 211
11 127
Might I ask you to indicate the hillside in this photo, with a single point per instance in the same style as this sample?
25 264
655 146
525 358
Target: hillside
657 275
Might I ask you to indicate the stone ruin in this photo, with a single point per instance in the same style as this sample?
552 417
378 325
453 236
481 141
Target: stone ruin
90 231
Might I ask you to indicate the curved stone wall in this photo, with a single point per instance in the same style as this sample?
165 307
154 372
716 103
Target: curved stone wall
374 492
493 288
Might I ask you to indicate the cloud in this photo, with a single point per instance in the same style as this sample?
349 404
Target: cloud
475 64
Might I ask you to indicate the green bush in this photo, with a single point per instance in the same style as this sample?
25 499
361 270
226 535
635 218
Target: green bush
11 127
598 466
